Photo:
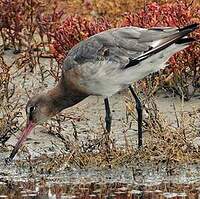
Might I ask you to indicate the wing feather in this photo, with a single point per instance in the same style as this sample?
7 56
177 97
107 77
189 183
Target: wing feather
123 45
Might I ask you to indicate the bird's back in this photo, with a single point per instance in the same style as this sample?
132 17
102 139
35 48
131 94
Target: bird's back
107 62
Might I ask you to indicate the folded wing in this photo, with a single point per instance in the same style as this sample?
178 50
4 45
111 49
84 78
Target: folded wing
126 46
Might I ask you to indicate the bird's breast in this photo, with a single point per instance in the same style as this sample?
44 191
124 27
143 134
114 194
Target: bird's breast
99 78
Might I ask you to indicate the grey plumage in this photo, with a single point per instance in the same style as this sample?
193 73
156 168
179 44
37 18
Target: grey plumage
113 52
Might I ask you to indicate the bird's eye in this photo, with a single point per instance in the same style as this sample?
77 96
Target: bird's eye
32 108
31 112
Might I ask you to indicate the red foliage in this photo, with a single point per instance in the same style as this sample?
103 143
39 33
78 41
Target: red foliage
20 20
10 19
169 14
47 23
16 19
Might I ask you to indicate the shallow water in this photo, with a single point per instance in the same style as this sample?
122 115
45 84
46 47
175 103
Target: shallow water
119 190
123 182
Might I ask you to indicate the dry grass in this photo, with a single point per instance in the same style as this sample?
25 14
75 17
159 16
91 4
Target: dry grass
10 113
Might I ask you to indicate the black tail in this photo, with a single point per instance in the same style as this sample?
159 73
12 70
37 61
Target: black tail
178 37
185 40
191 27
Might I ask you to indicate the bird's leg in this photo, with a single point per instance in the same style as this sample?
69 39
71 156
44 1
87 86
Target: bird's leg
108 118
139 111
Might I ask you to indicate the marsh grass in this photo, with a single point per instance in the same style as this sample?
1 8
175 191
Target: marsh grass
165 144
10 112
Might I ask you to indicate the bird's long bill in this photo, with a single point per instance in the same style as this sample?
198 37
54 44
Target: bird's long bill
22 138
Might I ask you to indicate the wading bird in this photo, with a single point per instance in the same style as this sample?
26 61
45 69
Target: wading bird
104 64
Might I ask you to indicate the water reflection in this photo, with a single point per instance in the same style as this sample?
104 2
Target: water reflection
18 182
44 189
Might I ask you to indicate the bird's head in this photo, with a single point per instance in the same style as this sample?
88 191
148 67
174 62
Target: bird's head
42 107
38 110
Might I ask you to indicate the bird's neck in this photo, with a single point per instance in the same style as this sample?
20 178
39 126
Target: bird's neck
64 95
